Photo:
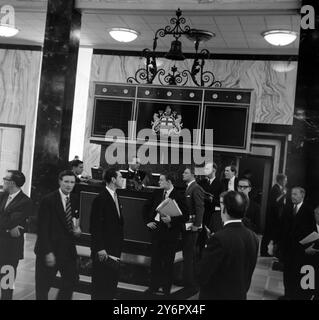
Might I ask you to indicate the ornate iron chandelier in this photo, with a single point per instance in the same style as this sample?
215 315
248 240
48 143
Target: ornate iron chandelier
197 74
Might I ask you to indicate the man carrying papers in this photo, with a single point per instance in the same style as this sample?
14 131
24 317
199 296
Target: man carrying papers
165 216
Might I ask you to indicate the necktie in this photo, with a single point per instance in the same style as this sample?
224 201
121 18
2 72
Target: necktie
8 201
294 210
117 203
68 214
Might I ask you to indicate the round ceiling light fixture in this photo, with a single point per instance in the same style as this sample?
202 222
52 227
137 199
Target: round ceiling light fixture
123 34
8 31
280 37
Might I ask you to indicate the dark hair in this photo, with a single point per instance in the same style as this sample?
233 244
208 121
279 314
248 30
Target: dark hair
65 173
280 177
110 173
17 177
191 169
245 179
75 163
169 176
235 204
232 168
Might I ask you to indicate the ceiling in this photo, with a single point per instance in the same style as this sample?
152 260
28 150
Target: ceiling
238 24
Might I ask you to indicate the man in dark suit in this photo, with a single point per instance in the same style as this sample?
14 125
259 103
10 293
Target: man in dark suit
276 202
15 208
195 202
252 215
230 257
296 221
230 182
58 227
311 257
166 231
106 228
212 188
135 177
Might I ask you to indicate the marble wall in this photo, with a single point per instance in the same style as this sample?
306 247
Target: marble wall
19 83
274 91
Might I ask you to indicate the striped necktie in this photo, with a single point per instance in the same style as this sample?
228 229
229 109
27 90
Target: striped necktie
68 214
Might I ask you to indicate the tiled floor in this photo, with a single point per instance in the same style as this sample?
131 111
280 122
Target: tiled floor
266 283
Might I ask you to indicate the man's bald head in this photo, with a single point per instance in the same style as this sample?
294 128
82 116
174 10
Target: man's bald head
235 204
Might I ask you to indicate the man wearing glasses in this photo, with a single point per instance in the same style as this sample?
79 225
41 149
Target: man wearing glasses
15 208
251 218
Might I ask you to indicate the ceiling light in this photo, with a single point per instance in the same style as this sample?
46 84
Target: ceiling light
7 30
280 37
123 35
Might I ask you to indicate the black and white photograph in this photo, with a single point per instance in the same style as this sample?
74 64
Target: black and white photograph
162 152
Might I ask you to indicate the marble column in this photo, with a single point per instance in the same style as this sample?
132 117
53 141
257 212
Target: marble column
57 86
303 156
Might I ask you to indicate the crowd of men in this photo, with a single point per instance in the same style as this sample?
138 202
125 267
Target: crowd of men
217 228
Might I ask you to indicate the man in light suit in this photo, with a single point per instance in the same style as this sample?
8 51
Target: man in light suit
195 202
230 257
58 227
15 208
106 228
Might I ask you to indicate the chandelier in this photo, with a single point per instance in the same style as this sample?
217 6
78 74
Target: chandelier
150 71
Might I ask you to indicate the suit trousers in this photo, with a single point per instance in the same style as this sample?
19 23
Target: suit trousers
7 293
45 276
104 281
190 253
162 263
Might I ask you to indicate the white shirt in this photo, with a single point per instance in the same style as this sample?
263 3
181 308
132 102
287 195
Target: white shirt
168 192
298 206
189 183
231 184
231 221
211 180
11 197
64 198
317 227
112 193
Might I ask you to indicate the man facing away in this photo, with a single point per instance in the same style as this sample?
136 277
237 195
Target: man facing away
166 231
195 202
230 257
58 227
106 228
15 208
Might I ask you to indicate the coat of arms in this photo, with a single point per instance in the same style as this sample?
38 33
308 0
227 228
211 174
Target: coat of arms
167 123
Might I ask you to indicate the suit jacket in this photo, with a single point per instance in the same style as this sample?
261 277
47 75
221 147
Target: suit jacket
292 229
214 188
225 184
106 226
177 223
274 211
195 202
252 216
16 213
53 233
228 263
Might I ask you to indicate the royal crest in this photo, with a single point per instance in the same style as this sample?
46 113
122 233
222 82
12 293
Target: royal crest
167 123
